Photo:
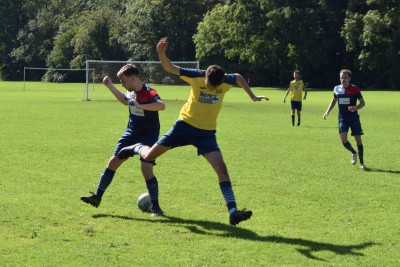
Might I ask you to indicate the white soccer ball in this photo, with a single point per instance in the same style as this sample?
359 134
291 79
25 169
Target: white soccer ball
144 202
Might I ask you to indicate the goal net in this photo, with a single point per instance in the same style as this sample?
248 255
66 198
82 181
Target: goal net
151 72
33 75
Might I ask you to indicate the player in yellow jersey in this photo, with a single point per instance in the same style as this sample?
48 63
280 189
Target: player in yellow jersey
197 122
296 87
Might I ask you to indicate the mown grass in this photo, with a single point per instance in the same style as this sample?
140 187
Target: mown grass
311 207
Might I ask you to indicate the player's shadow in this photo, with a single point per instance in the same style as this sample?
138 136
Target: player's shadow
382 170
100 215
315 127
304 246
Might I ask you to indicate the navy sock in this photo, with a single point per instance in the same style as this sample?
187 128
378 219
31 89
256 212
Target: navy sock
105 181
349 147
361 153
298 119
292 120
226 189
152 187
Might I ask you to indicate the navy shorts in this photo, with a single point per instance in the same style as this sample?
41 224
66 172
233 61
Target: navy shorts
129 138
183 134
354 125
296 105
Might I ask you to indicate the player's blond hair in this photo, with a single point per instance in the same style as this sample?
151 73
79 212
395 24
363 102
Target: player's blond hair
346 71
128 70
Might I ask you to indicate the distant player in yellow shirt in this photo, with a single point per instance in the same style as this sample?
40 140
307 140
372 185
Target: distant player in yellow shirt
296 87
198 121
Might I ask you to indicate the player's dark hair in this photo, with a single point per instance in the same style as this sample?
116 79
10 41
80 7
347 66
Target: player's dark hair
128 70
215 75
346 71
296 71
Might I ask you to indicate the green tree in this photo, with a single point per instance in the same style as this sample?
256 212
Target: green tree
211 33
12 17
44 29
149 20
272 38
35 38
372 36
63 50
88 35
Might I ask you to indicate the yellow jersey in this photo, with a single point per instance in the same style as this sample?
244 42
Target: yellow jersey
202 107
296 88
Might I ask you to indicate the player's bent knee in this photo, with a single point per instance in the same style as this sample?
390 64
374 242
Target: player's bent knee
116 159
153 162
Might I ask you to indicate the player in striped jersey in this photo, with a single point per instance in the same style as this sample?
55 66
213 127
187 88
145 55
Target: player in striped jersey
143 126
346 95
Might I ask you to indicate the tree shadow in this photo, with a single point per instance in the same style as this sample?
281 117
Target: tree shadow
305 247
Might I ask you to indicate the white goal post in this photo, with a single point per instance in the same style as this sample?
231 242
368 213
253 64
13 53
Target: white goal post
150 71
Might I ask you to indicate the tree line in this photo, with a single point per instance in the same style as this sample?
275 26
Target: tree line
265 40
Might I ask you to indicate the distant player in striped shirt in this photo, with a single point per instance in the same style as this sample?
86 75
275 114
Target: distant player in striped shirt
347 94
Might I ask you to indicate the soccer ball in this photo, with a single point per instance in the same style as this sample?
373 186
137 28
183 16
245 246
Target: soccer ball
144 202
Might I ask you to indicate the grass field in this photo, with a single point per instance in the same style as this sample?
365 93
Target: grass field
311 207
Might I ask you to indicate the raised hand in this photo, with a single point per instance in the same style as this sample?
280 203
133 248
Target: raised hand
162 45
107 81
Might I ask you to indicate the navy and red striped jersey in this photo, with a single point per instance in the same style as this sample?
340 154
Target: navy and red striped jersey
143 121
347 97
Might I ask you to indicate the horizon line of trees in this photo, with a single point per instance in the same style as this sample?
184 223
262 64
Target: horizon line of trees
265 40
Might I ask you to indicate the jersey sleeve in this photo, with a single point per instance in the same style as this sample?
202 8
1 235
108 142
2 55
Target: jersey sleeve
230 79
154 95
188 75
191 73
359 95
128 96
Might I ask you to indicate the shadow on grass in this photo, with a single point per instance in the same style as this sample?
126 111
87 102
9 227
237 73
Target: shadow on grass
96 216
382 170
315 127
308 247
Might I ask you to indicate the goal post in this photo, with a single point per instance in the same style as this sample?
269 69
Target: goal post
151 72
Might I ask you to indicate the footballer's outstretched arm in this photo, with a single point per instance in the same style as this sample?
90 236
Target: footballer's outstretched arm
242 83
118 95
162 46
